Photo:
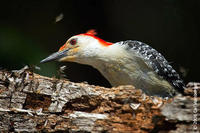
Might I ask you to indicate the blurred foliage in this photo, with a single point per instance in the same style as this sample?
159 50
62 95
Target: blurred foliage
18 50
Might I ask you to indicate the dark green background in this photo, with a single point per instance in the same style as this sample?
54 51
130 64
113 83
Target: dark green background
29 33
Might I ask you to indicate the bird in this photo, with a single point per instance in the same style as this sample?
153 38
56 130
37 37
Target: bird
127 62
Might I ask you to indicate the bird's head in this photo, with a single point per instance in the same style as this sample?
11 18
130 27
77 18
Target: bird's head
80 48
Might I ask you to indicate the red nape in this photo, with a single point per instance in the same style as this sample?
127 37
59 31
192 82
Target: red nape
92 33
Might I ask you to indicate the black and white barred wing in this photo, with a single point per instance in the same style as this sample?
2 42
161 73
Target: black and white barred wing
156 61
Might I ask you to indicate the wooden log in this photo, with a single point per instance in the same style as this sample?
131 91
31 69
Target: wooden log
33 103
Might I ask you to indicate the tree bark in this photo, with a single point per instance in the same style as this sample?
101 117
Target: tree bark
34 103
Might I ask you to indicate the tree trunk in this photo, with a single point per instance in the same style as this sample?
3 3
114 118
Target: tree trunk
34 103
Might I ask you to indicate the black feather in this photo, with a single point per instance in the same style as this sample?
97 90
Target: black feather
157 62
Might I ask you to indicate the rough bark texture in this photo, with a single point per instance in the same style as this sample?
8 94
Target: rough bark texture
34 103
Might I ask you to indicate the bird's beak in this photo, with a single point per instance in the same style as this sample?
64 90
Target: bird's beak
55 56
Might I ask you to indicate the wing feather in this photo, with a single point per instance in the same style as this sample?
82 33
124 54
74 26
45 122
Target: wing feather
156 61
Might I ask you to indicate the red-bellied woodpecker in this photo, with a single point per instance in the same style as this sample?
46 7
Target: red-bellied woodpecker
122 63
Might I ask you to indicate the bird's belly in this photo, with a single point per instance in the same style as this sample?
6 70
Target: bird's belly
117 74
118 77
148 81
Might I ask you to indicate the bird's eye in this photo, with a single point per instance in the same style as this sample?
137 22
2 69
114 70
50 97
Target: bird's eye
73 41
